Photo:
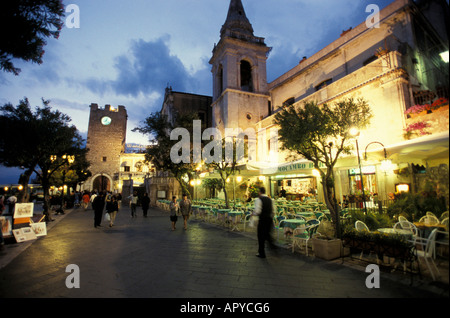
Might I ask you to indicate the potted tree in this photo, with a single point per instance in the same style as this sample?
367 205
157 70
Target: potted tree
325 244
328 248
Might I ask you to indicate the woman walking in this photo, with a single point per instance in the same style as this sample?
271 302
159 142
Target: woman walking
112 207
185 209
174 210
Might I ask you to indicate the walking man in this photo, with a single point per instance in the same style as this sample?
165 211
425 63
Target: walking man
98 204
145 204
133 203
264 209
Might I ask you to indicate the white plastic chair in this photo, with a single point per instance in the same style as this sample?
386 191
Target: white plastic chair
429 219
445 222
444 216
402 218
406 225
444 240
361 226
428 246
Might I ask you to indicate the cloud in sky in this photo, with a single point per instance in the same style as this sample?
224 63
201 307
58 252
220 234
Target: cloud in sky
148 67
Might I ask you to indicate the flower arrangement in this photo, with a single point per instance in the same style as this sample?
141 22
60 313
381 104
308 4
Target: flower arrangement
253 189
417 109
439 103
417 128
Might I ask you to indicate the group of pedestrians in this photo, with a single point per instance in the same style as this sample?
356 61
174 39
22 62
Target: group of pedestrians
264 210
183 208
106 201
99 202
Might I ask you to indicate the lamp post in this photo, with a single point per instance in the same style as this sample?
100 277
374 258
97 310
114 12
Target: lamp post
69 160
355 133
238 179
386 165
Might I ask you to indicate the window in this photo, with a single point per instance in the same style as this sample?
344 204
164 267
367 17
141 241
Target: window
289 102
324 84
126 168
104 159
220 79
246 76
370 60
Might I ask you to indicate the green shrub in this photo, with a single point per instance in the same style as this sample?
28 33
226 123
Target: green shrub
373 220
414 206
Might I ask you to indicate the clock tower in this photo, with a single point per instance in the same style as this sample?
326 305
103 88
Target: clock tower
106 142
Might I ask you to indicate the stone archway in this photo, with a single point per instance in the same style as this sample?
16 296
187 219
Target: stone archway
101 183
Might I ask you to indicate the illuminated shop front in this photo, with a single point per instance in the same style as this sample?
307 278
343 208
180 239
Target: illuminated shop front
369 184
299 179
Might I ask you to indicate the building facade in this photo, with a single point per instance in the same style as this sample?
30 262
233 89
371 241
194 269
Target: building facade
395 66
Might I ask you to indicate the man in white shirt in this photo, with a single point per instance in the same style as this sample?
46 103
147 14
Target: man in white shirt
133 203
12 200
264 209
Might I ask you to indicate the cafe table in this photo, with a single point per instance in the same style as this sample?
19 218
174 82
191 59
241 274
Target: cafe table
195 209
425 229
289 225
235 217
202 211
306 214
292 223
221 213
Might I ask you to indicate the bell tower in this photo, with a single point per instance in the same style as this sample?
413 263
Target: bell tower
240 94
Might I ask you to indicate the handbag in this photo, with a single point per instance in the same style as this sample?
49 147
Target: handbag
107 217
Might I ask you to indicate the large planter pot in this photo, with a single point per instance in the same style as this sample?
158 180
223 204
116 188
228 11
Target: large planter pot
328 249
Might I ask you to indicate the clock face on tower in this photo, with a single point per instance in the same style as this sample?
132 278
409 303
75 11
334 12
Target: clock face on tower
106 121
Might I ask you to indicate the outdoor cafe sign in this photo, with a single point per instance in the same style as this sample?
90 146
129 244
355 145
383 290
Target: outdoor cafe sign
298 167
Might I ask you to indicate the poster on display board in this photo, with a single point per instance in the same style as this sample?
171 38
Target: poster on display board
40 229
6 225
24 234
23 210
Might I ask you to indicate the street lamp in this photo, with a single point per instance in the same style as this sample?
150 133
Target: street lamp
67 159
238 179
355 133
386 164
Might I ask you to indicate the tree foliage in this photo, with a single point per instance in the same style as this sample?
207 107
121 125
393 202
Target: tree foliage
227 163
159 128
25 25
39 141
320 134
212 184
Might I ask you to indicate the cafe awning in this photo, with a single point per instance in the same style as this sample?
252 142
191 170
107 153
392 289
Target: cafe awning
431 147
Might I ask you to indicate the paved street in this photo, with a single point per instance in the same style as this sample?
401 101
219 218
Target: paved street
142 258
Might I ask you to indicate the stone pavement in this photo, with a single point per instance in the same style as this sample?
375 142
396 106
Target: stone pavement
142 258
